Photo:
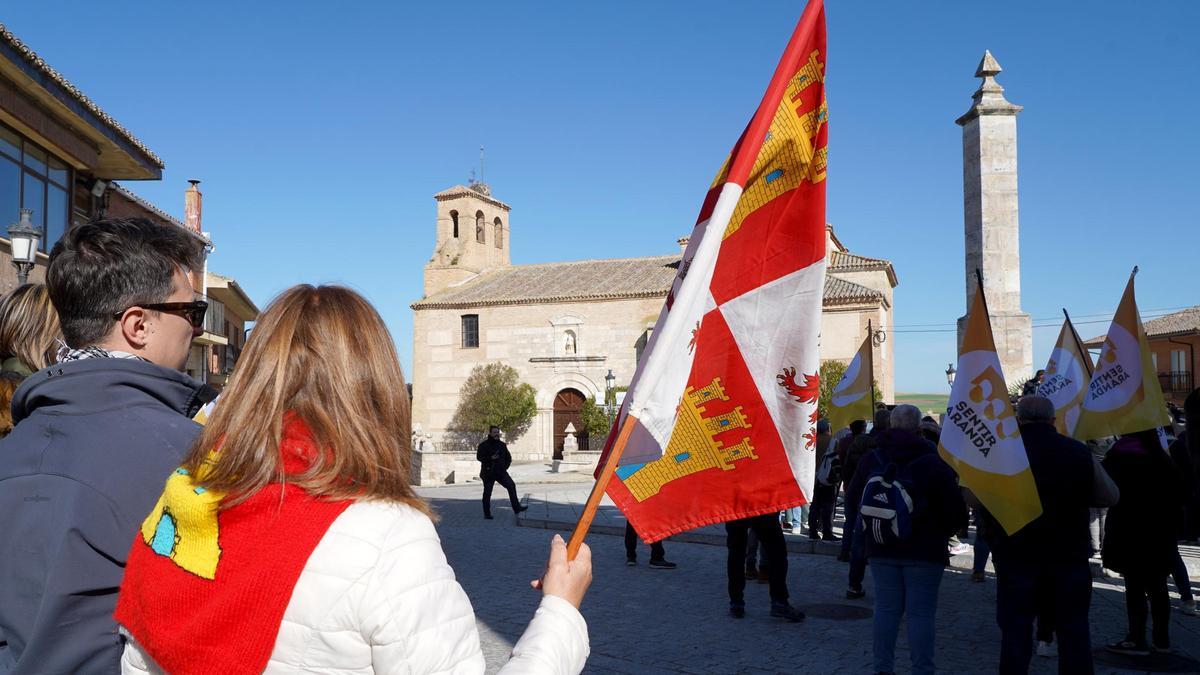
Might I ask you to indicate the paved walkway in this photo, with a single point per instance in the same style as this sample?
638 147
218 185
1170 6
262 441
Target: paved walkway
643 620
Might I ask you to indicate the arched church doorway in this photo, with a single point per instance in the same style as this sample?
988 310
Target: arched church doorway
568 409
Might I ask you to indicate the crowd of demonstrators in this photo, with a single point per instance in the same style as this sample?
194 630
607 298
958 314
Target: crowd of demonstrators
101 428
494 459
328 558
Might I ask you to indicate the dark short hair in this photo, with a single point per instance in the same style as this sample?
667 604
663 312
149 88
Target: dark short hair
105 266
858 426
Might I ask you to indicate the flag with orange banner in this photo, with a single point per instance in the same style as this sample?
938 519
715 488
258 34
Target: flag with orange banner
853 397
1124 395
719 420
980 437
1068 374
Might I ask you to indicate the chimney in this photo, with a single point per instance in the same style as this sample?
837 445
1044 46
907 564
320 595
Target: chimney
192 205
683 242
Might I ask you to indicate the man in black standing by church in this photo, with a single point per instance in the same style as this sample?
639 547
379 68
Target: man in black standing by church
494 460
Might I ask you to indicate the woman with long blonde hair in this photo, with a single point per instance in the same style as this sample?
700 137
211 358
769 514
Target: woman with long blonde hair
29 330
291 540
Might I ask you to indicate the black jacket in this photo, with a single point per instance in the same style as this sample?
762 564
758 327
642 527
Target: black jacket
1063 472
494 458
95 441
1139 533
940 510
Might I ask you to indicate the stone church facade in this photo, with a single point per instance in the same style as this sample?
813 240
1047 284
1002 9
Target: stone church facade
565 326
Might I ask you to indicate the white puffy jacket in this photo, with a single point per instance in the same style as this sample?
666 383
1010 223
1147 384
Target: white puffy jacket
377 596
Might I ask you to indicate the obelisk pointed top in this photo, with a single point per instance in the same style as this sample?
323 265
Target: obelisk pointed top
988 66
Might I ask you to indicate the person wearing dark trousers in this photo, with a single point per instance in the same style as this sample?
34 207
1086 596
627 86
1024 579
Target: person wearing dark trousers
820 518
494 460
770 534
853 545
1139 536
658 555
857 429
1042 571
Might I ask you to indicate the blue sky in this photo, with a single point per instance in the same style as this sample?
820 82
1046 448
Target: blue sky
322 130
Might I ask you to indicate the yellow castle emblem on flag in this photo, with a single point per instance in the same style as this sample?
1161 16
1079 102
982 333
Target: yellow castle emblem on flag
693 446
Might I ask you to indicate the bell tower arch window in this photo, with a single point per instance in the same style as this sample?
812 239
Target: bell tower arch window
454 220
480 230
498 233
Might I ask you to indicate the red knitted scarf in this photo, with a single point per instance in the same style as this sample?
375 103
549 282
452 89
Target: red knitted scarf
205 590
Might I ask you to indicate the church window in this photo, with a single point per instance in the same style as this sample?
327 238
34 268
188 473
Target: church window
480 235
470 331
498 234
454 219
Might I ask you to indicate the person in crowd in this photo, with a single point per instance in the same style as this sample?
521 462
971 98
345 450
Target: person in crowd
1139 536
820 518
494 460
1189 439
850 510
907 571
1042 570
1033 383
1185 471
9 381
292 526
658 555
981 549
29 331
770 536
96 434
863 446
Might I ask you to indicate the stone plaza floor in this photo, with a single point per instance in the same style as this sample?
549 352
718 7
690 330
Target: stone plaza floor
644 620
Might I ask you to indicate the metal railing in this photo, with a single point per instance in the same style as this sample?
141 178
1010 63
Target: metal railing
1176 381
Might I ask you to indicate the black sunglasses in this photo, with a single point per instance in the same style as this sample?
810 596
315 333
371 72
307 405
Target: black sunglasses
192 311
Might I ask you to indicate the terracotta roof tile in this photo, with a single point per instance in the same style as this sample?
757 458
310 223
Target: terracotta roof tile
1182 322
624 278
37 62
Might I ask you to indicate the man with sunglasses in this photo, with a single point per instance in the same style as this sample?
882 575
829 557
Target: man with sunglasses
96 436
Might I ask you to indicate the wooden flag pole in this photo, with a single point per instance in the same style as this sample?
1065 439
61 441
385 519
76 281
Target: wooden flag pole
593 502
1087 361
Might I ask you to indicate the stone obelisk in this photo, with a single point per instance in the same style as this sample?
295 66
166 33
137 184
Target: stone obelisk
990 216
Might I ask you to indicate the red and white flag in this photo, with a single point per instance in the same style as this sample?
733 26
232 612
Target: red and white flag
719 422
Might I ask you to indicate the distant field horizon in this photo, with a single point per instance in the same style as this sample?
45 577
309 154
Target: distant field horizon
926 402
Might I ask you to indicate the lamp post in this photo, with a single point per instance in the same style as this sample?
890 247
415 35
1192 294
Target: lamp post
610 397
950 372
23 238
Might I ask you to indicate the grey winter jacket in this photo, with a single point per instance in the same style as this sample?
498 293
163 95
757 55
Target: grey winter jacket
93 445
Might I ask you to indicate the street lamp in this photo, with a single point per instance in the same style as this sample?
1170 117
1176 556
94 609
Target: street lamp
950 372
610 397
24 238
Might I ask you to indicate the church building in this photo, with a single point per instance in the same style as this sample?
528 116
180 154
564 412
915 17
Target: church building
566 326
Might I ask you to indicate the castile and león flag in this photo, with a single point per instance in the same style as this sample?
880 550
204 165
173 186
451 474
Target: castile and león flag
719 421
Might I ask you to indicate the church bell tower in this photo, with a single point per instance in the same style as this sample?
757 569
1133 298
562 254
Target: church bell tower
472 236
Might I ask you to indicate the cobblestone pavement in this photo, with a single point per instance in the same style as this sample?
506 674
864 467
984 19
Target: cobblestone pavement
644 620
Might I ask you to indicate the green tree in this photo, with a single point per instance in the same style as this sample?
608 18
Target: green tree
596 421
493 395
830 374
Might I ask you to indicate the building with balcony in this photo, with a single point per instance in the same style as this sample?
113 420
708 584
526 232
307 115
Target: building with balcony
1174 340
229 310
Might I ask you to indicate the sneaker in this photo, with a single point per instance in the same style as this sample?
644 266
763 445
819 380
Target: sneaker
631 562
787 527
1047 649
831 537
960 549
855 593
1188 607
737 611
521 509
662 564
488 516
786 611
978 576
1129 648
